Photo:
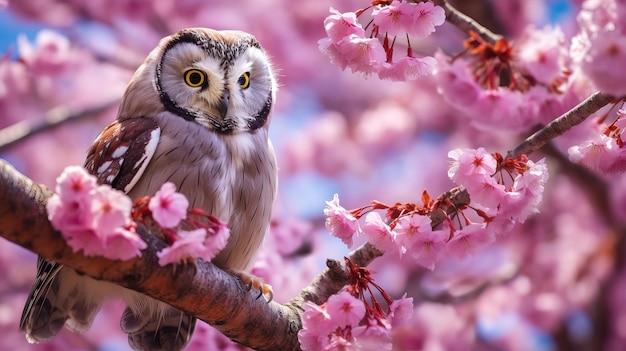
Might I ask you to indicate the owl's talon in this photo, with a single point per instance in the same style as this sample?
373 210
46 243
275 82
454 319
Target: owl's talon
267 289
256 283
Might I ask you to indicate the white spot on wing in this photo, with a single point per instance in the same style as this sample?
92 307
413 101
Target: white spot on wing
119 151
104 167
145 158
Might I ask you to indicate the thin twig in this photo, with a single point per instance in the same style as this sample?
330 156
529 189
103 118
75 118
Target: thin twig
562 124
55 117
466 23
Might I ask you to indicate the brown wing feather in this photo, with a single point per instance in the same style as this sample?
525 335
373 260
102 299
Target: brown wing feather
117 157
122 151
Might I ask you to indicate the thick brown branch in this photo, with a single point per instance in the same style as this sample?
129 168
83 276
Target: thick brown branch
562 124
206 292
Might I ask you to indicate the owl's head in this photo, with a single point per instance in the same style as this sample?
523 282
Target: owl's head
222 80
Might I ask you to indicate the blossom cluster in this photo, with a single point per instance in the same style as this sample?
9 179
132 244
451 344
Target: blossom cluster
484 176
168 209
93 218
408 229
102 221
505 85
349 320
604 152
600 46
349 45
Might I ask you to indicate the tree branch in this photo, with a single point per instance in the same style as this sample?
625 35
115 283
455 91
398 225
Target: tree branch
562 124
55 117
466 23
207 292
555 128
203 290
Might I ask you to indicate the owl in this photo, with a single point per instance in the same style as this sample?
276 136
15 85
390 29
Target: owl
195 113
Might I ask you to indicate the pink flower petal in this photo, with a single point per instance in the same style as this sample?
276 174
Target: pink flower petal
188 244
379 234
345 309
339 222
168 207
124 244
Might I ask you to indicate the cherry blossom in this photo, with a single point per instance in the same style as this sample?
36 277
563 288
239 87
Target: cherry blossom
349 45
507 85
340 25
603 149
345 310
347 321
49 55
418 20
469 165
94 219
553 255
475 170
408 68
168 207
110 210
377 232
373 336
408 229
217 238
361 54
339 222
188 244
400 310
205 242
426 17
316 325
600 154
542 53
527 192
394 18
429 247
124 243
606 52
487 192
469 240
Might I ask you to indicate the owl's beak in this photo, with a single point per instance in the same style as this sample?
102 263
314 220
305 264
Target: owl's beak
222 105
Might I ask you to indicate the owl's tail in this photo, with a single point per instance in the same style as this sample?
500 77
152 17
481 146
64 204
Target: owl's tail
59 297
166 329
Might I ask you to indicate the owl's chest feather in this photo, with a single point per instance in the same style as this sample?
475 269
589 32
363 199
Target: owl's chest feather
204 166
232 177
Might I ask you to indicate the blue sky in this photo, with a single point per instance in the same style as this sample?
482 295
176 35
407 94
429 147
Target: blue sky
11 27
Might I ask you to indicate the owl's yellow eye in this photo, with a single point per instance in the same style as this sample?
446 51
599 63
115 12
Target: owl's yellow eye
244 80
195 77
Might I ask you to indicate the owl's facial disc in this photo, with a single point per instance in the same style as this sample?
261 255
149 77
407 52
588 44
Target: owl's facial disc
221 80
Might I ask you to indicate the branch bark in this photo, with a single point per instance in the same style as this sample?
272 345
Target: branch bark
205 291
466 23
562 124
